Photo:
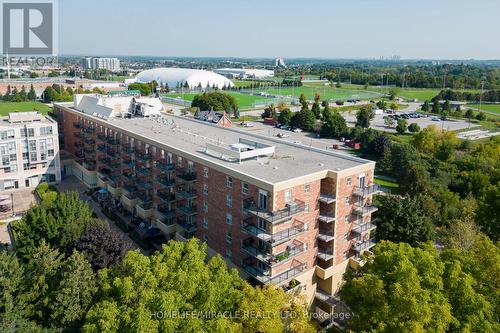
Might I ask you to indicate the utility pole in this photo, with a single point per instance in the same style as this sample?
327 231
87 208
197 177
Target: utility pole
481 96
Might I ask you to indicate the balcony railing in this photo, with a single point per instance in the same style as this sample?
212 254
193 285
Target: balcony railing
113 141
363 210
165 166
188 227
287 234
89 130
77 135
144 185
112 153
361 246
165 212
101 136
257 232
282 215
166 196
326 235
164 181
363 228
187 176
278 279
77 125
327 198
187 210
128 162
144 171
186 194
101 148
89 141
128 150
367 190
144 157
325 255
326 217
261 254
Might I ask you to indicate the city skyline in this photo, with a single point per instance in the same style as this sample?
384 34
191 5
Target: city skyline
358 30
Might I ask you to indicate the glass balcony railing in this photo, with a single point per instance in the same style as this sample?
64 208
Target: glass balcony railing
186 194
360 246
166 197
264 277
294 208
187 176
367 190
187 210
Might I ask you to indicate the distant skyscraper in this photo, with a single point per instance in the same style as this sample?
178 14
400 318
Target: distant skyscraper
111 64
279 62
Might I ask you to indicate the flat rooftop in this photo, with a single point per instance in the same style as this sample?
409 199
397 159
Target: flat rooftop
285 162
24 118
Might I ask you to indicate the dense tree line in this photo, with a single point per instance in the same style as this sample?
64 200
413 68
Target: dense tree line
15 95
70 272
216 100
455 95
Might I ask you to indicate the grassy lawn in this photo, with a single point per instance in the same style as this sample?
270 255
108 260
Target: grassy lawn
389 184
326 92
495 108
6 107
244 101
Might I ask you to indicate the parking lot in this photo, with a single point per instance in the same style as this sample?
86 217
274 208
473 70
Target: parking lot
378 122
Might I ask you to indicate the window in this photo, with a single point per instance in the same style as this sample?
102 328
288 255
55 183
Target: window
179 161
244 188
229 218
205 206
347 199
306 208
307 188
190 166
27 132
46 130
205 172
229 200
4 135
229 254
348 181
288 195
205 189
32 145
229 237
33 156
229 181
204 222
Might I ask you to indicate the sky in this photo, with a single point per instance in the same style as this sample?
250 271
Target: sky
412 29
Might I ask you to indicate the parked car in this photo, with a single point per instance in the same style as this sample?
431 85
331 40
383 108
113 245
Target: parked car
297 142
296 130
283 135
435 119
284 127
248 124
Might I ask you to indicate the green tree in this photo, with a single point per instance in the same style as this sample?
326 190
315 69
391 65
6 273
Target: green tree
217 101
334 125
414 128
436 107
481 116
402 126
389 122
426 106
304 119
364 116
176 280
144 88
469 114
31 94
285 116
404 219
303 102
316 110
393 93
382 104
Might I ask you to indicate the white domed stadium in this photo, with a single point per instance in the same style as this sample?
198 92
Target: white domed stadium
178 76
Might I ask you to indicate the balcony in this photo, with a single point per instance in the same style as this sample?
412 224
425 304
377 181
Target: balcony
144 185
128 162
363 228
363 210
101 148
164 166
112 153
327 198
361 246
287 234
326 218
367 190
78 135
89 152
257 232
325 254
113 141
128 150
79 145
128 176
187 210
77 125
187 176
261 254
144 156
89 141
145 210
165 213
90 130
282 215
89 165
164 181
166 197
326 235
186 194
188 227
263 276
101 136
145 172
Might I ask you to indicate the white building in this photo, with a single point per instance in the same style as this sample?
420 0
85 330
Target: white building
244 73
110 64
279 62
29 150
124 106
175 77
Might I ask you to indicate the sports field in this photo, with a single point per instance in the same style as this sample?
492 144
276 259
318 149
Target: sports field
244 101
493 108
6 107
325 92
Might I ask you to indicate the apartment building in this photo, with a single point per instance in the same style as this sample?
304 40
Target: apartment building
110 64
282 213
29 150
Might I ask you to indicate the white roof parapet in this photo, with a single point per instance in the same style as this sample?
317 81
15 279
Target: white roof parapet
243 150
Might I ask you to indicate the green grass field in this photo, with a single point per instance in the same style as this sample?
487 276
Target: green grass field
244 101
326 92
6 107
495 108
